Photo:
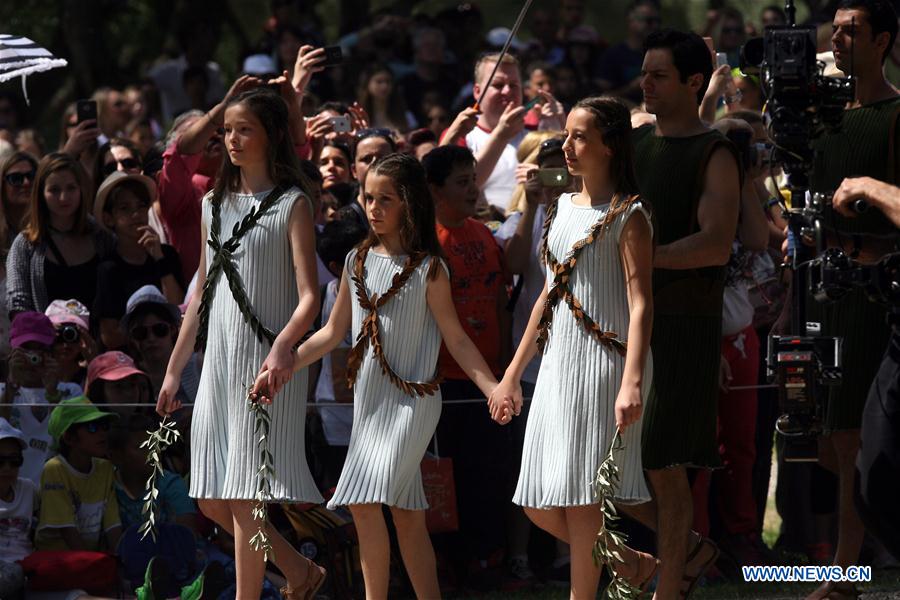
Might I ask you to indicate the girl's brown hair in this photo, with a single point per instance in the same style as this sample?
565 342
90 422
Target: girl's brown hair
613 119
417 230
39 214
283 165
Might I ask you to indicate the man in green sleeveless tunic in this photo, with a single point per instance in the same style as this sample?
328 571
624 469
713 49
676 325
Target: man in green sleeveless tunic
690 175
866 145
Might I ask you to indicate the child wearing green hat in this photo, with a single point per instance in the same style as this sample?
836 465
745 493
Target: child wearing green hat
78 510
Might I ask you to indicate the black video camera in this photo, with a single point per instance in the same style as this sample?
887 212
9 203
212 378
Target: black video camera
801 103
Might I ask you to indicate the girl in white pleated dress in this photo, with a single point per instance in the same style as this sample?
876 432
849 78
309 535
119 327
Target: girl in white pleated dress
395 292
592 321
259 296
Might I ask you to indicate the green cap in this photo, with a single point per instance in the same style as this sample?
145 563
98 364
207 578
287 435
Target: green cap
71 412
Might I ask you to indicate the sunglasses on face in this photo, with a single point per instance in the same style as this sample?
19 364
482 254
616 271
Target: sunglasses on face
128 164
95 426
732 30
11 460
18 179
159 330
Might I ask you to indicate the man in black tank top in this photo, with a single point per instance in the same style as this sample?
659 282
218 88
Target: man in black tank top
866 145
690 175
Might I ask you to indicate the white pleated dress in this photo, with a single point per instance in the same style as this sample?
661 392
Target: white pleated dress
224 456
572 420
391 430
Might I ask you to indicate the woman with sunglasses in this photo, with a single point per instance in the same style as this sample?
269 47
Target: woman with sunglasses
118 154
57 254
17 172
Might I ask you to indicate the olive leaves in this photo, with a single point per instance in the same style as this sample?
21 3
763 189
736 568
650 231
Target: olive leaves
156 443
606 546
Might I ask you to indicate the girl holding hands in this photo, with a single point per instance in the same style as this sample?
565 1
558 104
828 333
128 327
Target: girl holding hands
395 294
259 296
592 321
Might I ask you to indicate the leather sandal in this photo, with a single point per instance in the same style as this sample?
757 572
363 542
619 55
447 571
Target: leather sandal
315 578
693 580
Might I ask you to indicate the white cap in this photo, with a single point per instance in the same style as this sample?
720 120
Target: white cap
259 64
7 431
497 37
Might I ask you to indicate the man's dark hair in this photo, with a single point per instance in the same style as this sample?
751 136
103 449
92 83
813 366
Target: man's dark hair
882 18
333 105
440 162
311 171
337 239
344 193
690 54
420 136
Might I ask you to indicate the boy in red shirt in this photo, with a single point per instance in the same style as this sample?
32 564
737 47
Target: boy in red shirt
478 284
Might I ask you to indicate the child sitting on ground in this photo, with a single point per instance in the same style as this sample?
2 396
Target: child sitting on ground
79 510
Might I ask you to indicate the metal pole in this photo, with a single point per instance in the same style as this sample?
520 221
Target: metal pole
512 34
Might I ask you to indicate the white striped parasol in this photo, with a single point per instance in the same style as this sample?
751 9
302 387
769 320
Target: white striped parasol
20 57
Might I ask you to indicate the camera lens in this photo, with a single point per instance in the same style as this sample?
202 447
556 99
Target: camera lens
34 359
68 334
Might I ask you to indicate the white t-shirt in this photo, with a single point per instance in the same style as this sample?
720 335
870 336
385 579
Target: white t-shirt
737 311
34 426
499 187
16 518
535 280
337 421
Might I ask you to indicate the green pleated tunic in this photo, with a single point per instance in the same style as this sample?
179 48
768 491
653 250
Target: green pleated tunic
866 145
680 416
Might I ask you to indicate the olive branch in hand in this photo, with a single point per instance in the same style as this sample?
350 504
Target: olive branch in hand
156 443
262 425
609 542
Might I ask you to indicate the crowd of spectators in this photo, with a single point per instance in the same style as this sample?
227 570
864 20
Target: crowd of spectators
101 240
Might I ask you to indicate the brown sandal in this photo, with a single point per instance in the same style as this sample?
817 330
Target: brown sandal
692 581
315 577
644 583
